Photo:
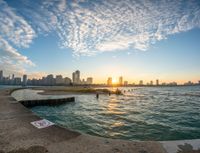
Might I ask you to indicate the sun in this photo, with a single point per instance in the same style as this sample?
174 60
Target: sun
114 81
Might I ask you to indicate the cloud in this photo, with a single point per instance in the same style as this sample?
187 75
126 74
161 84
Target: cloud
14 31
14 28
92 27
11 60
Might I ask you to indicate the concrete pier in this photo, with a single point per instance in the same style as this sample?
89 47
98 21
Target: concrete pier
17 135
46 102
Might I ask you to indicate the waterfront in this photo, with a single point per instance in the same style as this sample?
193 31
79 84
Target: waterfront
143 113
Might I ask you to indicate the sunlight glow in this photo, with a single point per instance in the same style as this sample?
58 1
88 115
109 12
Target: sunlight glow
114 81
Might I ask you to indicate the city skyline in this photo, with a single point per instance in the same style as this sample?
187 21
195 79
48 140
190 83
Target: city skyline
138 40
77 79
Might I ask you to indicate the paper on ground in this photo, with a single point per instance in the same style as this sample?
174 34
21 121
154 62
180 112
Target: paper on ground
42 123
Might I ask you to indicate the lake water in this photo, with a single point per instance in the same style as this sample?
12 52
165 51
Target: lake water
143 113
8 86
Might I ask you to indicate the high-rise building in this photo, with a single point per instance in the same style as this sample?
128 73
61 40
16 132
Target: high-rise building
76 77
13 76
89 80
109 81
1 75
17 81
151 83
125 83
59 79
67 81
24 80
141 82
120 80
157 82
50 80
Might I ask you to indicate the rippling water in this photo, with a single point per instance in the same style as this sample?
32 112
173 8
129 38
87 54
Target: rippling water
143 113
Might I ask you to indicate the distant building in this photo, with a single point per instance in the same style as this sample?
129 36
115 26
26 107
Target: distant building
109 81
141 82
17 81
157 82
83 81
89 80
172 84
199 82
50 80
151 83
67 81
24 80
189 83
76 77
59 80
1 76
13 76
120 80
125 83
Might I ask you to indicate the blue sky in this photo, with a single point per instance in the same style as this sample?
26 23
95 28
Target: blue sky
136 39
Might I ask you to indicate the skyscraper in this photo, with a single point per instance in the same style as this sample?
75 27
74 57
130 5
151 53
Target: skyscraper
141 82
89 80
59 79
50 79
120 80
67 81
1 75
76 77
24 80
13 76
109 81
157 82
125 83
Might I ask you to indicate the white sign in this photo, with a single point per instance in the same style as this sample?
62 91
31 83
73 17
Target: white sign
42 123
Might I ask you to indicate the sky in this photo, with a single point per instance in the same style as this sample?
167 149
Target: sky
137 39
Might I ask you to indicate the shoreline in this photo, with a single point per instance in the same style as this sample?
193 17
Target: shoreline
16 132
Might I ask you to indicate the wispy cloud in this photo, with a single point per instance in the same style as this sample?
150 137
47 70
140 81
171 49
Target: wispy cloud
14 31
14 28
90 27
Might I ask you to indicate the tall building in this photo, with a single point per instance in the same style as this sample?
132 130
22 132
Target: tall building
141 82
125 83
59 79
13 76
120 80
50 80
151 83
24 80
1 75
67 81
157 82
199 82
17 81
89 80
109 81
76 77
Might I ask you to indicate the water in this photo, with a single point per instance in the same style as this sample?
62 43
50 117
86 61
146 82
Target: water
8 86
143 113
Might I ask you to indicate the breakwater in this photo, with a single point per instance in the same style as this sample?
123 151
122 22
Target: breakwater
47 102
